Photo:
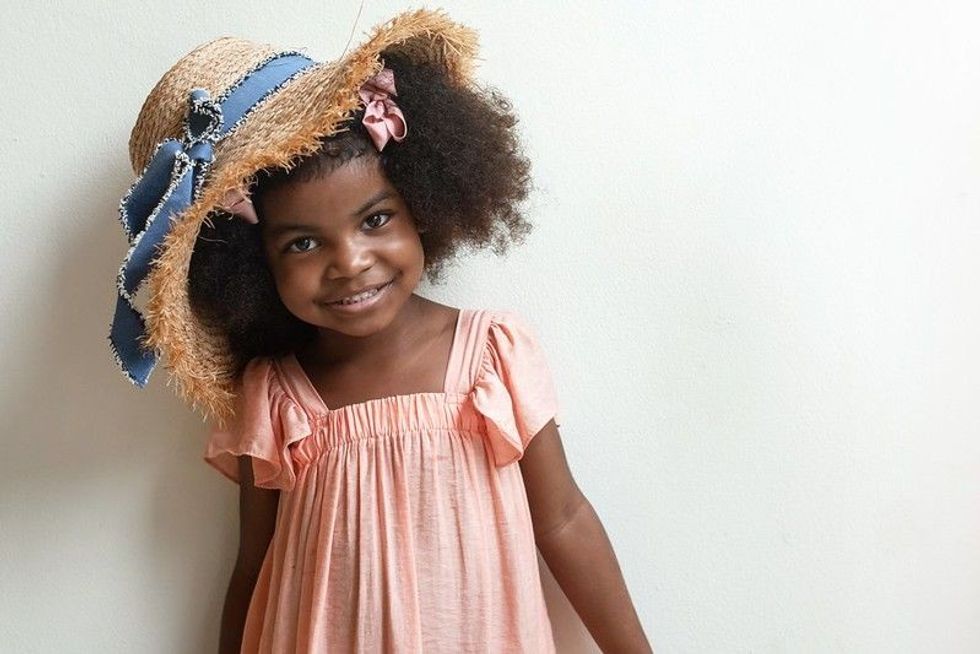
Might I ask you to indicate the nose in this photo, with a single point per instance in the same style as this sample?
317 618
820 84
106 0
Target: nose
348 259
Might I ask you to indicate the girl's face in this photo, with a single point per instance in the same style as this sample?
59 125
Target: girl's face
333 237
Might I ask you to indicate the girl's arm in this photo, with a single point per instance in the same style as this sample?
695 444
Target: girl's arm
257 509
576 548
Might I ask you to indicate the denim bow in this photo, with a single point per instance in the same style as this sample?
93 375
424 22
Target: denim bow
169 185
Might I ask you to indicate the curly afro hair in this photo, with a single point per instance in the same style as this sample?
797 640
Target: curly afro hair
460 170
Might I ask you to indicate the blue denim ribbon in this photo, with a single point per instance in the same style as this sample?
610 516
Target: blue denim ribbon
170 183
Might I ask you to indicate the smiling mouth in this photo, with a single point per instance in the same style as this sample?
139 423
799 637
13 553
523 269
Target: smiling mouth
363 296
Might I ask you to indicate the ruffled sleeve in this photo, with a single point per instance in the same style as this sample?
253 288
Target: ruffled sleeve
266 423
514 390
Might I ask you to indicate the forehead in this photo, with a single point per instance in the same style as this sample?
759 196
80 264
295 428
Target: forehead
343 191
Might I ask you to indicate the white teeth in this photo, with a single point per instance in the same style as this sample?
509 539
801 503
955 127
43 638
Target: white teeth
359 297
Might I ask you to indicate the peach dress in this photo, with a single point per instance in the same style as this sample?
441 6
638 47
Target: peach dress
403 523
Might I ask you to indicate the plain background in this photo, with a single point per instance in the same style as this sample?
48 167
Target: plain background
754 272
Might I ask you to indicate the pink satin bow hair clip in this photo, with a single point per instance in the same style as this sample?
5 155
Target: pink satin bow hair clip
382 119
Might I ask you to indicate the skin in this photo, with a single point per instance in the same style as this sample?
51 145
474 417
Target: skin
349 241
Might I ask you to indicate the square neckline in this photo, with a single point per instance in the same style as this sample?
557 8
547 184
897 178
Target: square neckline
291 364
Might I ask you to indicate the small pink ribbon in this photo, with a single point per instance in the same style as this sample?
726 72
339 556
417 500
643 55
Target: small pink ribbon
382 117
238 203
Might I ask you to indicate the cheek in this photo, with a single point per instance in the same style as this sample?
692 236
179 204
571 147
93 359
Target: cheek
295 278
294 281
413 260
401 250
410 248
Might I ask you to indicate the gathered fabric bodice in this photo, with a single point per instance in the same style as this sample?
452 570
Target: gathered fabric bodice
403 523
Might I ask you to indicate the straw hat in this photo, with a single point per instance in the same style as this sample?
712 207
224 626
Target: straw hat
223 112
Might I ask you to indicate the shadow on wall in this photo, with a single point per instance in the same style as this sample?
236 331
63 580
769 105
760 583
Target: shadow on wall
105 492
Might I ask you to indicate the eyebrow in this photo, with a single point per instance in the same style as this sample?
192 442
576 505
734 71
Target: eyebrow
383 194
276 230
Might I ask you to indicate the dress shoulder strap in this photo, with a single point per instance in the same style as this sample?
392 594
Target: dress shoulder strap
470 339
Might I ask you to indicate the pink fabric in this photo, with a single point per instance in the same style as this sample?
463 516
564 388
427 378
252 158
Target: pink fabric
403 523
382 117
238 202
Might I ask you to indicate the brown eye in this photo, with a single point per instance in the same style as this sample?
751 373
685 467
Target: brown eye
378 220
301 245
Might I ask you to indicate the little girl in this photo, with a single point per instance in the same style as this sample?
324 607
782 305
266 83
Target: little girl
399 460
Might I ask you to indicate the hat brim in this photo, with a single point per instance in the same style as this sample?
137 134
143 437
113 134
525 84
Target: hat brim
286 126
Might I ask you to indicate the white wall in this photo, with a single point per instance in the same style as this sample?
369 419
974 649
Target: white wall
754 270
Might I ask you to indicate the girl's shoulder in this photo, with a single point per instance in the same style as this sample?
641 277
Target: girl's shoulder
497 315
265 423
262 379
514 389
497 336
478 328
508 324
